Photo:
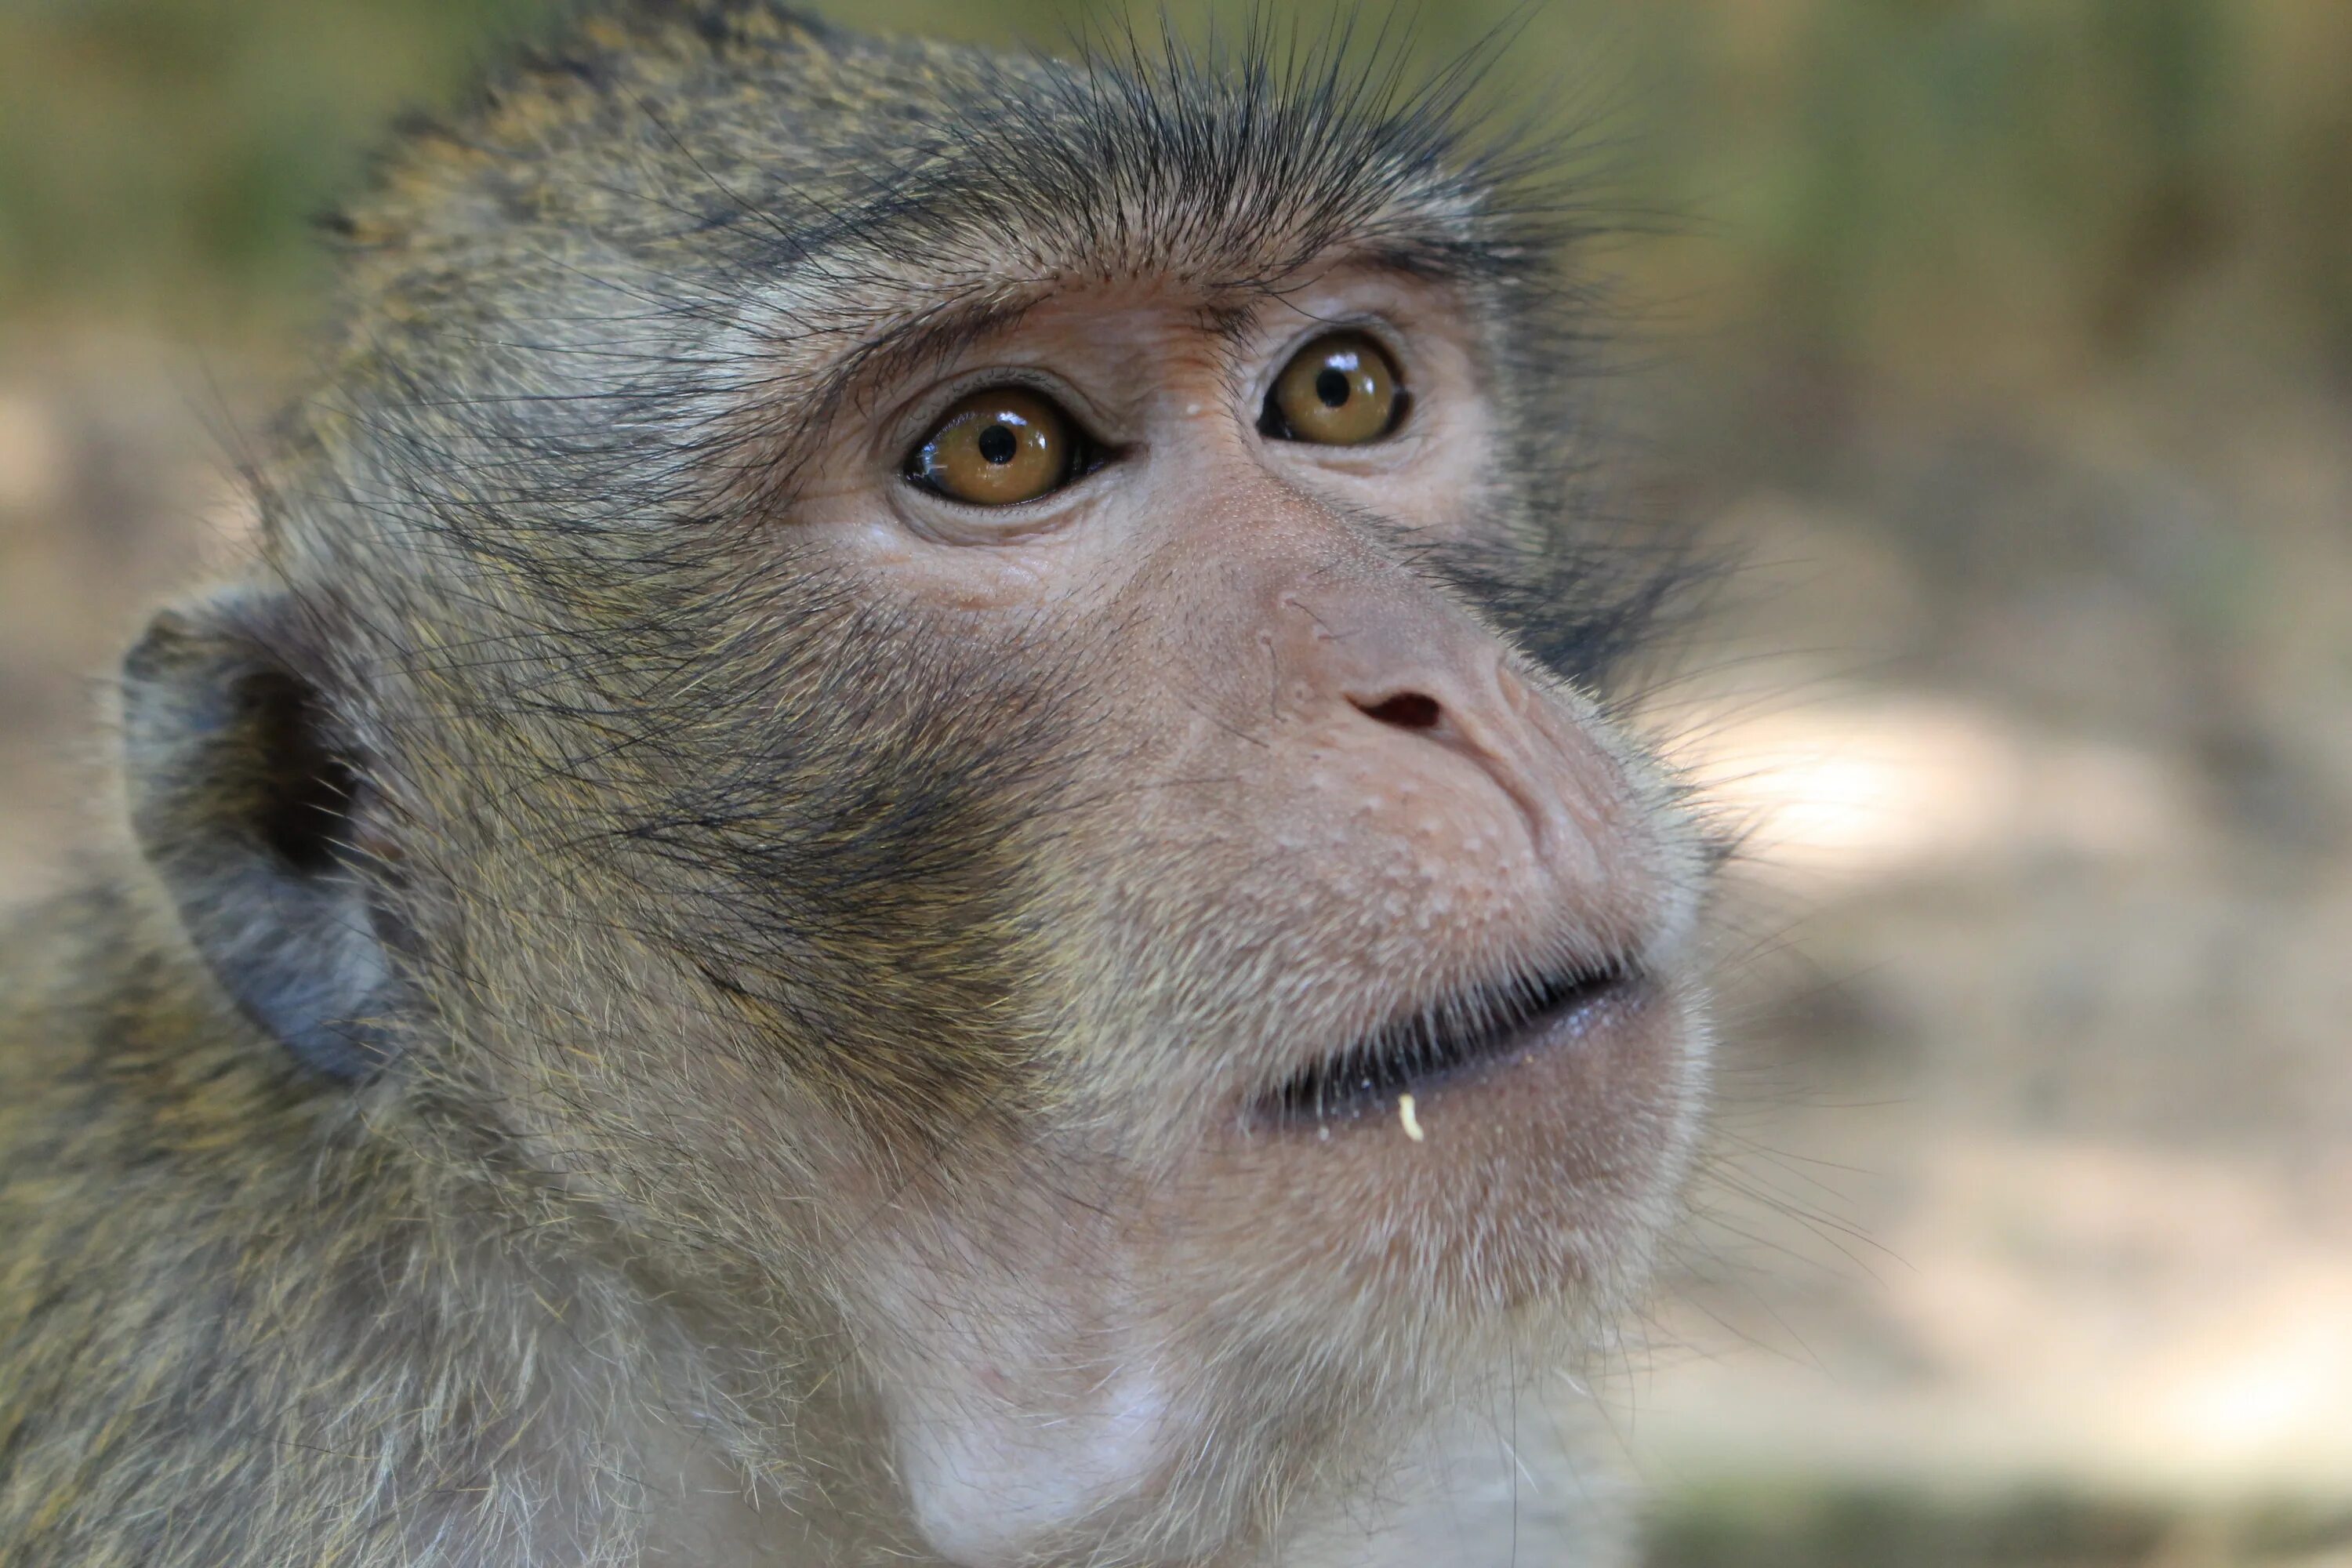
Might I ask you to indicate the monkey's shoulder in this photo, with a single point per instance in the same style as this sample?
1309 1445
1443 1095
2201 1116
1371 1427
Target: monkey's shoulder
225 1292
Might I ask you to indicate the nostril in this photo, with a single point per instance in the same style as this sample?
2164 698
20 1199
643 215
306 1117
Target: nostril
1406 711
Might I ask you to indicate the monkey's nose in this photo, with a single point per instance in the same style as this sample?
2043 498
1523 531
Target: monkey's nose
1488 733
1405 710
1422 715
1419 714
1402 665
1422 671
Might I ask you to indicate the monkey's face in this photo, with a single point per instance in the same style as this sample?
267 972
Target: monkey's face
1357 943
1310 954
1090 854
1000 752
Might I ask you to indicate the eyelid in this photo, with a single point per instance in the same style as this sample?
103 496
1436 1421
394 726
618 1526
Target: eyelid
922 414
971 522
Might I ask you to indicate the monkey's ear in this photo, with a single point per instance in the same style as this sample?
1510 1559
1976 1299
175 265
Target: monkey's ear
244 798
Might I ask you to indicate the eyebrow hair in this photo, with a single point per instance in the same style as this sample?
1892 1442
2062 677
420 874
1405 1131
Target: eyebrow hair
931 335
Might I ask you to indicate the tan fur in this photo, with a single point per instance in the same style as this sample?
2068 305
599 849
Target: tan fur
637 1035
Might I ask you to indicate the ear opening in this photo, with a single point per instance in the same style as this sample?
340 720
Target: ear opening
305 788
247 798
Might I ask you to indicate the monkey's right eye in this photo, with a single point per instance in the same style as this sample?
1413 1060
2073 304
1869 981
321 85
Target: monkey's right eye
999 446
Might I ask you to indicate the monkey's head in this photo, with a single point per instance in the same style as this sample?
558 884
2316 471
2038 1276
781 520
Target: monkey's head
962 695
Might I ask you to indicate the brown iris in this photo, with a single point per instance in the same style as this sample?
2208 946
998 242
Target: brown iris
999 447
1340 390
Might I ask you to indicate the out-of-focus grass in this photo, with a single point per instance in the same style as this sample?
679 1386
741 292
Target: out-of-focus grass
1964 188
1806 1529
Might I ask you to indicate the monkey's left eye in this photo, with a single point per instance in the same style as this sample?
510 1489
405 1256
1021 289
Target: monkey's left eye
1001 447
1341 390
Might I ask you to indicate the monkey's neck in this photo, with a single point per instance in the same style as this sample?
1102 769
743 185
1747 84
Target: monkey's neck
276 1321
357 1338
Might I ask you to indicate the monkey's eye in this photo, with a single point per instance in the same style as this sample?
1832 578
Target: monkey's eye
999 446
1341 390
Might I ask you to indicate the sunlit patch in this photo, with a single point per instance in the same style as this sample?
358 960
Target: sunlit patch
1895 785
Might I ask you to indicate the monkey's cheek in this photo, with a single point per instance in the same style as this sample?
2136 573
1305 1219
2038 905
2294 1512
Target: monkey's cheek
1541 1174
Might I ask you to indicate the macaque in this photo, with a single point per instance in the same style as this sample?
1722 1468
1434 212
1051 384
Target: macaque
907 847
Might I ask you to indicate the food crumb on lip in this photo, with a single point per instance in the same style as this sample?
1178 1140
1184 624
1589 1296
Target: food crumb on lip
1412 1122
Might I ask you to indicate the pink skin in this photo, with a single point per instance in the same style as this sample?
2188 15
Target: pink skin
1330 796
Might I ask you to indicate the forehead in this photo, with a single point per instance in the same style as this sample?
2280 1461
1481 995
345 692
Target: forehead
639 148
669 241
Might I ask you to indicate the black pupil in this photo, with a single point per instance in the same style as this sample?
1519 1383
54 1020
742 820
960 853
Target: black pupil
997 445
1332 386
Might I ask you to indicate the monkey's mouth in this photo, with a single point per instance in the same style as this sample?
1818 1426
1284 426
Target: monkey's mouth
1459 1035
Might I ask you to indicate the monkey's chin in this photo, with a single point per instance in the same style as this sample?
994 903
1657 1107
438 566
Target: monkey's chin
1520 1157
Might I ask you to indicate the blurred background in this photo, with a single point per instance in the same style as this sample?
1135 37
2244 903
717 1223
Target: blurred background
2008 345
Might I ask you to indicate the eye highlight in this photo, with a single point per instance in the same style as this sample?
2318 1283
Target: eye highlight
1341 390
999 446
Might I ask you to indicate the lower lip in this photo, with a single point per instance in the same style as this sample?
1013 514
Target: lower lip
1532 1164
1618 1006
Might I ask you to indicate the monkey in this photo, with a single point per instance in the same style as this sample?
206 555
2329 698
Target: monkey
908 843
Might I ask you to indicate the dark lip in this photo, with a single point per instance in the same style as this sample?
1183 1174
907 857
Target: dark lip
1445 1040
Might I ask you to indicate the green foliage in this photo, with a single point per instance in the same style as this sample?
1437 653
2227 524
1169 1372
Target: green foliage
1930 182
163 155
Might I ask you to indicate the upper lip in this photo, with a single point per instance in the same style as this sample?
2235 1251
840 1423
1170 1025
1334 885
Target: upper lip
1460 1029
